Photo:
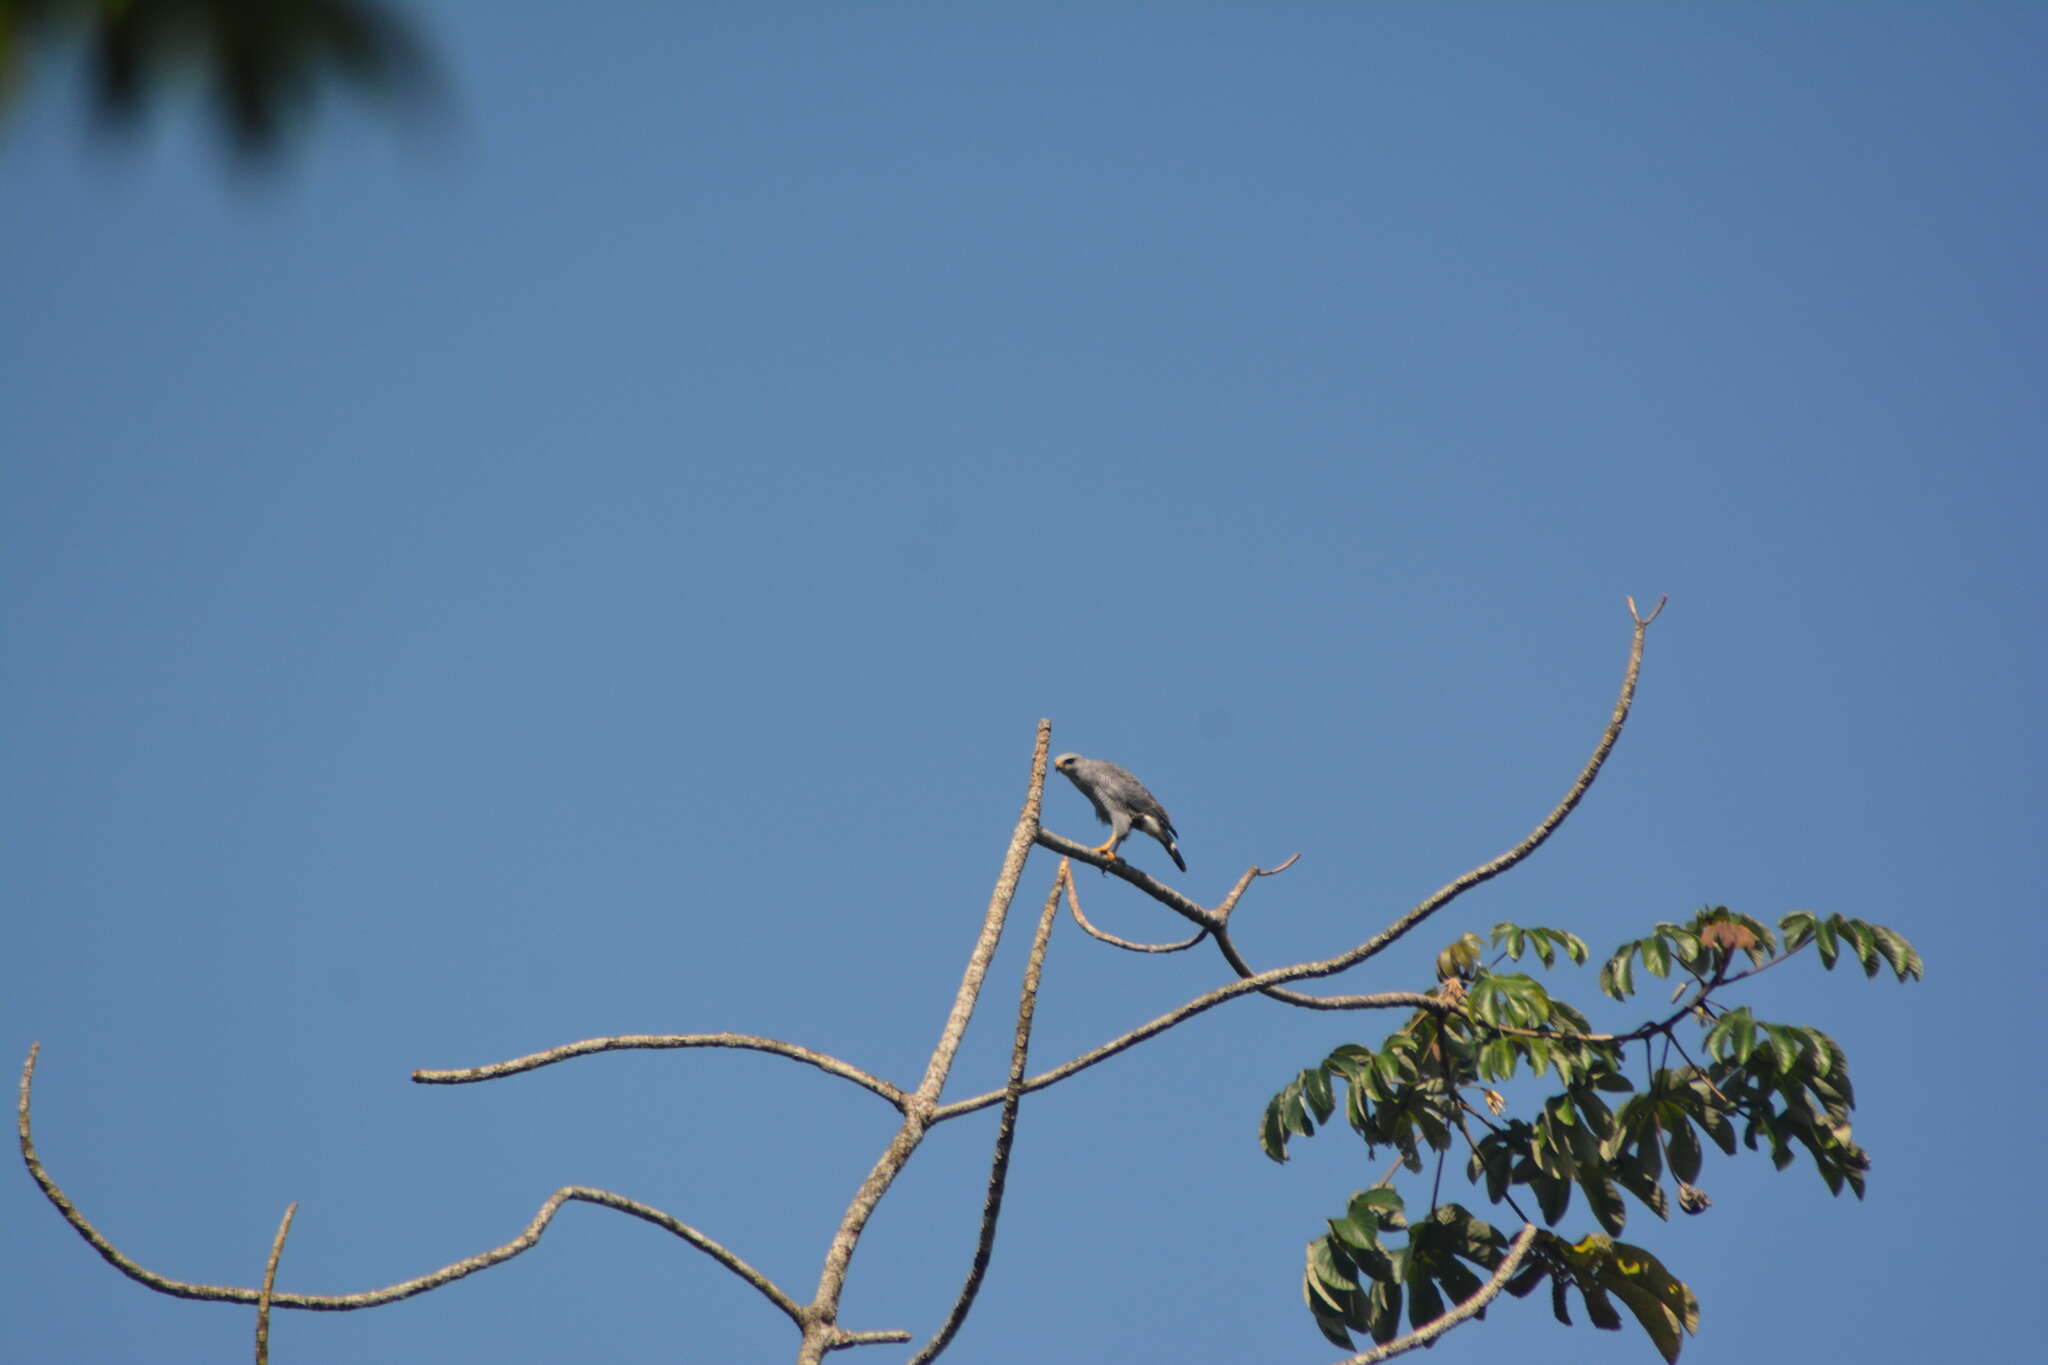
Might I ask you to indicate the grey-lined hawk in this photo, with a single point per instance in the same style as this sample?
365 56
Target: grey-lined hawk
1122 803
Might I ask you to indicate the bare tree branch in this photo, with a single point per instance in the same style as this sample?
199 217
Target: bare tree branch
284 1228
1485 1294
819 1316
1251 874
1201 1004
341 1303
1006 1126
625 1042
1066 879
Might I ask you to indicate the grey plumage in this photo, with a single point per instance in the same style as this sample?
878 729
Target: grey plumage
1122 803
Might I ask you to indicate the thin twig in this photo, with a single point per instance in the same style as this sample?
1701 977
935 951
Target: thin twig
1074 904
1485 1294
839 1338
820 1314
1229 902
284 1228
626 1042
341 1303
1006 1126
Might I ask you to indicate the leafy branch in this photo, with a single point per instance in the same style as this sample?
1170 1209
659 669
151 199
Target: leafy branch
1787 1086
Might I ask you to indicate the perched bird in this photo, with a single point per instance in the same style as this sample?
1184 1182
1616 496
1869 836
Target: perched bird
1122 803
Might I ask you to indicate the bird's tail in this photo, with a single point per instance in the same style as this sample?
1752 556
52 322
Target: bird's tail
1173 852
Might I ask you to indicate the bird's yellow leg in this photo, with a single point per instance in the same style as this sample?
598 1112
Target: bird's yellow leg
1107 849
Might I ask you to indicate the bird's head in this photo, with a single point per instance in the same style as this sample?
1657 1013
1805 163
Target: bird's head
1065 762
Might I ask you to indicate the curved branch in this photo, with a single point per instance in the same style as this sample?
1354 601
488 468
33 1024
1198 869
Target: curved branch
1066 878
341 1303
1487 871
1485 1294
625 1042
1006 1127
284 1228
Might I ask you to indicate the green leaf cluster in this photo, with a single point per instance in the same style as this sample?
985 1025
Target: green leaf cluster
1601 1270
1357 1280
1606 1132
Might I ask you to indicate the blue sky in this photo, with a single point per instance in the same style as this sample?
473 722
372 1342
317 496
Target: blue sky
594 565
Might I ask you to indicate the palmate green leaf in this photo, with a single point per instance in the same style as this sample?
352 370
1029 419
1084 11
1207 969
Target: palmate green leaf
1560 1306
1332 1296
1567 1016
1685 943
1664 1305
1815 1062
1272 1136
1617 975
1461 958
1315 1085
1425 1305
1459 1282
1472 1237
1524 1281
1786 1051
1904 962
1593 1113
1383 1311
1656 957
1604 1198
1838 1069
1329 1322
1355 1234
1382 1201
1294 1116
1517 939
1682 1149
1330 1274
1733 1036
1393 1070
1599 1308
1553 1194
1434 1132
1827 942
1657 1319
1647 1189
1862 942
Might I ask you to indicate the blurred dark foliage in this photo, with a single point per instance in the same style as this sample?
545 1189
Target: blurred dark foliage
260 61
